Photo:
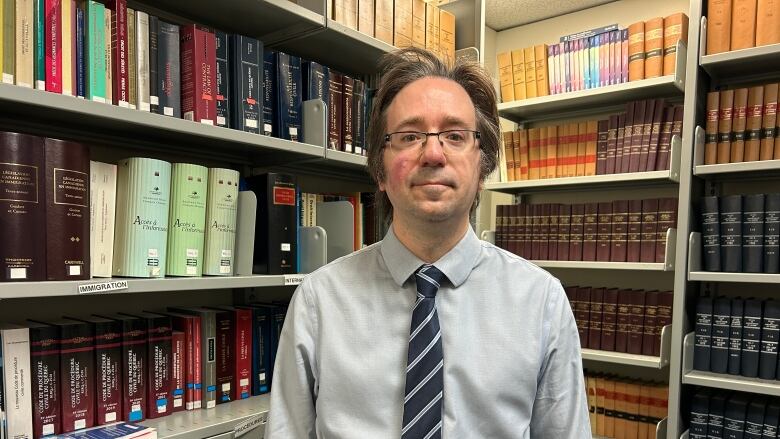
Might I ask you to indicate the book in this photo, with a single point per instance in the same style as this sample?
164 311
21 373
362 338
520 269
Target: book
710 233
663 316
552 232
767 22
770 334
582 315
609 319
636 319
755 110
119 53
154 68
517 58
667 219
635 150
261 352
768 122
751 337
649 234
718 26
158 363
699 414
24 42
269 94
242 350
771 233
221 215
402 23
133 367
771 418
335 109
654 47
288 96
275 243
731 233
735 414
743 24
178 370
109 55
721 320
53 45
738 125
15 345
432 21
634 238
67 210
675 29
636 51
703 338
208 334
542 77
168 69
186 330
604 232
754 421
447 35
716 418
225 356
564 230
383 27
141 231
595 318
506 81
77 374
590 231
576 232
619 231
365 22
187 220
132 59
670 127
95 59
347 105
623 321
222 79
117 430
246 91
711 128
647 129
651 330
45 374
618 153
530 72
198 74
753 233
735 336
655 138
102 209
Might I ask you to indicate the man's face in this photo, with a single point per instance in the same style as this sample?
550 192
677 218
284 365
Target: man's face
429 183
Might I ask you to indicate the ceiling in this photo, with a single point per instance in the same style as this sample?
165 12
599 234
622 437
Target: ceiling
505 14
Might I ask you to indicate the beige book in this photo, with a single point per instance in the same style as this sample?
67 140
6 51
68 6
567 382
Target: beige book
7 42
24 43
518 73
351 14
383 29
582 147
366 17
102 208
109 53
418 24
402 22
743 24
508 157
768 22
505 77
432 29
447 35
542 78
530 72
718 26
68 57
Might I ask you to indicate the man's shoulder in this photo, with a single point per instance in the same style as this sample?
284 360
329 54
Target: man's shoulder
510 263
356 262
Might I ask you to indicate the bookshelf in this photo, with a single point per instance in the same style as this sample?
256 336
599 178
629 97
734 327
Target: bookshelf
737 63
740 170
660 431
625 359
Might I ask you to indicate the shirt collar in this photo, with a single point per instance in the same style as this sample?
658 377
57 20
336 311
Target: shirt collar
456 264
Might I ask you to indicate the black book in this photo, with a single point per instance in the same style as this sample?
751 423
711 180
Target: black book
772 233
736 413
731 233
246 83
703 338
717 414
753 233
735 336
770 333
154 88
754 421
771 419
359 117
288 97
223 79
700 409
275 228
315 81
269 94
169 70
751 337
721 320
710 233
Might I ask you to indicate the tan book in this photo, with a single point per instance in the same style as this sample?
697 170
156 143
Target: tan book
632 408
505 79
767 22
755 110
768 122
591 141
383 29
542 78
600 406
543 153
572 142
132 59
366 10
432 28
609 407
718 26
109 52
636 51
418 24
518 73
552 151
351 14
24 42
509 156
521 140
654 46
530 72
560 164
582 147
711 128
534 156
660 397
620 407
675 29
67 13
644 412
402 23
743 24
725 118
447 35
591 391
738 126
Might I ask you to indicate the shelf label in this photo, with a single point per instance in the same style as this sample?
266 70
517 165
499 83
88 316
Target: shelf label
293 279
249 424
103 287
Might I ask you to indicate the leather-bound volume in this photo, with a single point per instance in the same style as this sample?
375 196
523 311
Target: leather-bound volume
772 233
771 419
667 219
675 29
22 208
703 337
700 410
663 162
755 111
655 138
738 126
582 148
521 142
596 310
663 316
633 244
45 379
743 24
649 230
619 231
67 210
718 26
621 135
108 352
710 233
731 233
647 129
530 72
604 232
623 320
564 229
609 319
716 419
753 233
650 325
711 128
768 22
754 421
636 136
582 315
591 146
542 79
770 335
552 151
654 47
725 118
544 231
768 122
525 232
509 156
534 154
77 374
721 319
636 51
335 109
535 228
500 226
576 232
504 61
590 232
606 134
751 337
636 321
552 232
735 336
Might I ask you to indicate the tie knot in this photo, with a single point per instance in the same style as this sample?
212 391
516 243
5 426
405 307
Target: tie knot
428 279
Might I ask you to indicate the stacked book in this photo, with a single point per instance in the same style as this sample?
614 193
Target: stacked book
722 413
621 320
741 24
625 408
617 231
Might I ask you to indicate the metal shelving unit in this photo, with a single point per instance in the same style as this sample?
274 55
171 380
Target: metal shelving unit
632 359
736 63
696 272
755 169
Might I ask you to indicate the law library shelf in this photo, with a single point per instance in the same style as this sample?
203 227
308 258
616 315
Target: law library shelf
647 361
722 381
736 63
660 431
611 181
246 416
696 272
590 101
755 169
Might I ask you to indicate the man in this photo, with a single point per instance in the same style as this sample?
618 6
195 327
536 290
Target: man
430 333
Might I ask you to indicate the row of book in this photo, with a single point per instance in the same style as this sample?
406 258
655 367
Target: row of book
617 231
737 336
591 59
116 430
621 408
742 125
637 140
74 373
741 24
741 233
725 414
621 320
403 23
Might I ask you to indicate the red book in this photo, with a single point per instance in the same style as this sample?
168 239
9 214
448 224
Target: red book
663 317
108 368
186 324
159 365
664 150
53 45
243 349
198 74
225 365
120 67
667 219
576 231
609 319
619 238
650 325
634 240
552 233
623 320
133 367
604 234
649 230
665 139
564 229
636 322
602 140
197 350
516 229
590 231
178 369
596 309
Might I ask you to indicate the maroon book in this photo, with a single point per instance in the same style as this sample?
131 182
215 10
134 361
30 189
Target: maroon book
77 377
108 368
609 319
571 296
225 365
67 210
544 231
134 378
667 219
636 322
628 136
348 103
604 130
187 325
649 230
664 150
158 363
335 110
611 144
621 131
636 136
178 370
45 378
655 135
552 233
527 212
576 231
517 229
650 326
120 67
604 235
623 321
619 239
536 232
242 352
634 230
665 139
500 225
663 317
198 74
596 309
22 210
647 130
564 228
582 315
590 231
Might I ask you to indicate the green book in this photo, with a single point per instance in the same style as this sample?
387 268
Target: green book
221 212
143 193
96 51
40 45
189 187
9 41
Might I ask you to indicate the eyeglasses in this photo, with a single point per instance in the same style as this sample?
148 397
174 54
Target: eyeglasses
453 141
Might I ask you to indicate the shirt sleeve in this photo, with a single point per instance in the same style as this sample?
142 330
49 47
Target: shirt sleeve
294 385
561 408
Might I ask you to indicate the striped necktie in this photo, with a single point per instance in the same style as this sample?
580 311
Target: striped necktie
423 396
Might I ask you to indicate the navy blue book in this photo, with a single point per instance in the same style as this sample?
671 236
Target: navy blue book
315 81
751 337
770 335
721 320
772 233
245 82
223 79
731 233
717 415
754 421
359 117
703 336
288 97
261 349
154 87
753 233
735 336
736 413
771 419
269 127
700 409
81 77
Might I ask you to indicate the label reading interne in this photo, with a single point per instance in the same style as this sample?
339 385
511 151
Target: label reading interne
292 279
103 287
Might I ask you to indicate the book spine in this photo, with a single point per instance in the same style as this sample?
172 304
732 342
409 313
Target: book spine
628 137
699 415
132 58
198 357
655 137
621 134
24 42
675 29
242 349
159 367
710 233
591 147
654 42
102 210
530 72
649 230
359 118
208 348
738 126
595 318
619 232
16 368
635 151
609 319
772 233
221 214
663 317
731 233
270 94
518 74
288 91
77 375
751 336
154 67
261 328
334 111
552 241
45 374
770 333
198 67
504 60
743 24
108 354
647 127
768 22
66 23
178 372
576 232
651 331
80 52
753 233
719 353
703 337
39 56
189 186
711 128
604 232
755 110
564 229
718 26
635 322
109 56
542 77
634 239
667 219
222 97
735 336
768 122
582 315
119 56
169 70
623 321
725 119
590 232
95 63
636 51
347 129
609 146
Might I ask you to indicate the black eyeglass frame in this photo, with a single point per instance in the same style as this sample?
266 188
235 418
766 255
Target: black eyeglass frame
476 134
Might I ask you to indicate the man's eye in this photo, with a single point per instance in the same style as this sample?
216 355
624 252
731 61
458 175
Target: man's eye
410 138
455 136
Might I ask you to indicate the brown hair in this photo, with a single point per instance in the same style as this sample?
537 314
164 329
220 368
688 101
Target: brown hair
403 66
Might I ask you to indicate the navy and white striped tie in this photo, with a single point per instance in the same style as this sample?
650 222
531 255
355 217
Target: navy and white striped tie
423 397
